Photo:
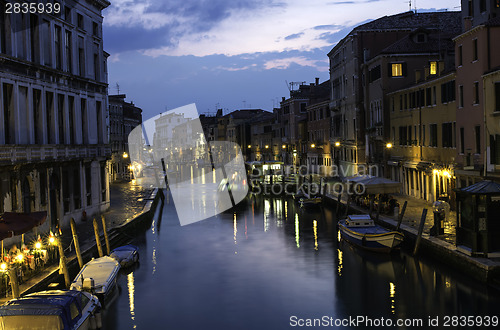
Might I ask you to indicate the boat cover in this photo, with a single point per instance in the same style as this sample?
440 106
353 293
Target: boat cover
102 270
56 302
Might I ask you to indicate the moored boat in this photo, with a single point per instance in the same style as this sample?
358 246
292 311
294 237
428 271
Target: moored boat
52 310
126 255
310 202
98 276
361 231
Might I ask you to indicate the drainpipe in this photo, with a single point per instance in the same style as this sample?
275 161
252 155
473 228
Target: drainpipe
485 129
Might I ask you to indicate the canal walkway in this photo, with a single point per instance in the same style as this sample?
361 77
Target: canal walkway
127 200
441 247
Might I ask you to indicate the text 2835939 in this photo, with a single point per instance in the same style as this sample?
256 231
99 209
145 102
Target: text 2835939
45 7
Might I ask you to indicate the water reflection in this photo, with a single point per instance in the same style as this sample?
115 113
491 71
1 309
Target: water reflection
131 292
203 282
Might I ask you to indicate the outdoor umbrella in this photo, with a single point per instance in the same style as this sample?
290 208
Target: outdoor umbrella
13 224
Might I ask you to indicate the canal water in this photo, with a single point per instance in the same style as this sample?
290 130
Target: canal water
268 264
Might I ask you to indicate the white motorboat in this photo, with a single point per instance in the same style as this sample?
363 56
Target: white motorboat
98 276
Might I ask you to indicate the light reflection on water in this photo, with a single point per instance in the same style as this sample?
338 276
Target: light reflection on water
194 279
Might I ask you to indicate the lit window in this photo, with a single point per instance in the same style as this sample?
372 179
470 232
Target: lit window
433 67
397 69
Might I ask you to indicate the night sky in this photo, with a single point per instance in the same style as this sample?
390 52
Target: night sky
229 54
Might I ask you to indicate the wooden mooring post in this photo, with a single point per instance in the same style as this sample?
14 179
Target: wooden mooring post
97 238
77 245
106 239
420 230
62 263
400 216
14 283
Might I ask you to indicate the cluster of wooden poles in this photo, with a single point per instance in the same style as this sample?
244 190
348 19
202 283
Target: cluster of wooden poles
63 267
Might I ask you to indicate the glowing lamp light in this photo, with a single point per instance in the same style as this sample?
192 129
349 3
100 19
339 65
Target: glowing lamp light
388 145
313 145
267 147
125 155
52 240
447 174
337 144
3 266
283 146
20 257
38 245
249 146
435 171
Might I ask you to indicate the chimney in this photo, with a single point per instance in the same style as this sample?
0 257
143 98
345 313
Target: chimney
282 99
317 81
467 23
418 74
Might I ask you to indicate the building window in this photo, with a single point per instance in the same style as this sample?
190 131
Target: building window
61 118
482 6
448 92
58 47
374 74
79 21
462 140
95 29
447 135
433 135
477 134
460 55
46 44
474 50
69 57
433 67
460 96
476 92
81 57
497 95
67 14
303 107
423 135
396 70
428 96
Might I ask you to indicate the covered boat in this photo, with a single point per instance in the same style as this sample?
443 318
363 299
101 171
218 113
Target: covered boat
52 310
361 231
98 276
126 255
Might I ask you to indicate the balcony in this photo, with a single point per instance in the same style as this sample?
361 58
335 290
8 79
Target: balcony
22 154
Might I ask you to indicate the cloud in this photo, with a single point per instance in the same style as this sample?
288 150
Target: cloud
208 27
285 63
294 36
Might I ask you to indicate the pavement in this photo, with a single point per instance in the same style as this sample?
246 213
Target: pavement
413 213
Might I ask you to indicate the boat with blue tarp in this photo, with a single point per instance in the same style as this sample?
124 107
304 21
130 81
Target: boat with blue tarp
52 310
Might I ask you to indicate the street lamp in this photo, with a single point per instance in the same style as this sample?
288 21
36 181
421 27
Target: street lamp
267 147
283 146
313 145
388 145
337 144
125 155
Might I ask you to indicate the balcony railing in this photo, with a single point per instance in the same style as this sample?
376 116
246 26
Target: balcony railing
16 154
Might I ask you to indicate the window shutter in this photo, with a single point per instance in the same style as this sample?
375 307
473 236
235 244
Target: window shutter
389 70
404 69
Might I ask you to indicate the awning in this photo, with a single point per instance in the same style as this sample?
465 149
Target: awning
375 184
13 224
